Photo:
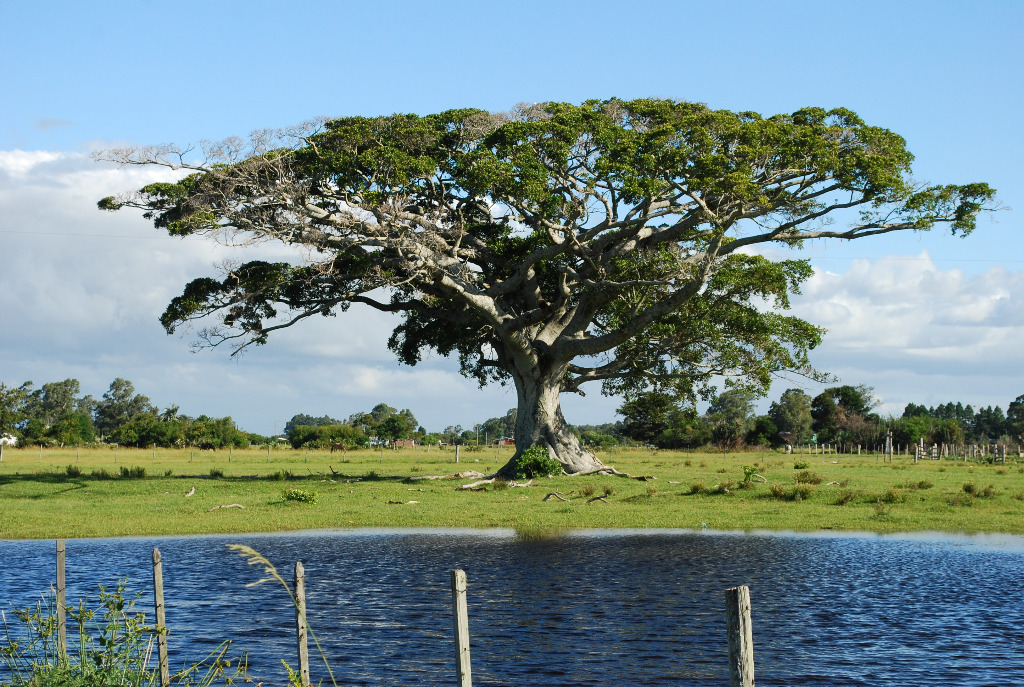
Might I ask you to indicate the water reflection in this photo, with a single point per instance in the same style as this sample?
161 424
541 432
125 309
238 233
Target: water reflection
584 608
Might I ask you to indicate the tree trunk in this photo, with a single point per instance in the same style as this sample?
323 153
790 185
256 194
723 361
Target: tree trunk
539 422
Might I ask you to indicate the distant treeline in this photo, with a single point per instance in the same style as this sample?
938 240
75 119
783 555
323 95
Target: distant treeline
839 415
56 415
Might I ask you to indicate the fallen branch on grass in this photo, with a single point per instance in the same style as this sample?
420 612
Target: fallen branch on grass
556 495
190 492
230 505
597 498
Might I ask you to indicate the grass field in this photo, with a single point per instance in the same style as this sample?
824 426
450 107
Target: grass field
82 493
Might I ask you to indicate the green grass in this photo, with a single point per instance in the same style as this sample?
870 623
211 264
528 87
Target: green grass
68 493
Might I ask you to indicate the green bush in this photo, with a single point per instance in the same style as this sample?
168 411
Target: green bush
135 472
302 496
808 477
74 471
535 462
801 465
216 473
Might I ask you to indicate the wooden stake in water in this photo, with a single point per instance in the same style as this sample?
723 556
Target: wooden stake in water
741 637
460 612
300 622
62 622
161 620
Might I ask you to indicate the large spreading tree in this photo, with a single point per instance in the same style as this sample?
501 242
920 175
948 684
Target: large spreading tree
552 246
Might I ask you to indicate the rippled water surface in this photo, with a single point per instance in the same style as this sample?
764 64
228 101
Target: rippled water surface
591 608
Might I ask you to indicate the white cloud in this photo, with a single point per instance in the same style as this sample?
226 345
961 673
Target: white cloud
917 333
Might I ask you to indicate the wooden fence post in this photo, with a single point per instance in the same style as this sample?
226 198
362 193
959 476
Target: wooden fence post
460 612
741 637
300 623
62 622
161 620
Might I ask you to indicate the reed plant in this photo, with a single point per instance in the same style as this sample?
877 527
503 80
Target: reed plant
109 645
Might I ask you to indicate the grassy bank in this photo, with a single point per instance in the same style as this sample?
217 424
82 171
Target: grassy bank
72 493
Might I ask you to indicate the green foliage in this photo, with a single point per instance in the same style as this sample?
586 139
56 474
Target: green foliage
801 465
109 646
134 472
748 472
73 471
808 477
536 462
302 496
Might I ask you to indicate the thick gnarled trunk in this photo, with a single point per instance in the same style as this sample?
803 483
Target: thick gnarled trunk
539 422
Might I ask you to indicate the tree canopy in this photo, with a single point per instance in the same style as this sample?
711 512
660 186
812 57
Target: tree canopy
550 246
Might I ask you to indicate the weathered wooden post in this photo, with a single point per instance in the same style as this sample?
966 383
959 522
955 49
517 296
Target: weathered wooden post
300 623
161 620
460 613
62 621
741 637
456 453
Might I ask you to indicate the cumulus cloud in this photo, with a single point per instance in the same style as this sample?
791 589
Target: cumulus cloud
917 333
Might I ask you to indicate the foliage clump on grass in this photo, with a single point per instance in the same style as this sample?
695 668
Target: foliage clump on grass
801 465
134 472
536 462
798 492
808 477
73 471
302 496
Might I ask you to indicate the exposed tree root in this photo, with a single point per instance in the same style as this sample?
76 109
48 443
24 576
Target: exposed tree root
556 495
610 470
477 486
468 474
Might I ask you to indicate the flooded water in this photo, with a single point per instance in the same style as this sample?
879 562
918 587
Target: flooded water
587 608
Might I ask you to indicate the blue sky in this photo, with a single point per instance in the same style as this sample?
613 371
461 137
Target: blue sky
921 317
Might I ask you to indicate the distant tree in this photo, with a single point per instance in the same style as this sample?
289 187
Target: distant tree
1015 418
302 420
763 432
792 414
120 404
645 417
382 411
613 241
394 427
12 408
730 416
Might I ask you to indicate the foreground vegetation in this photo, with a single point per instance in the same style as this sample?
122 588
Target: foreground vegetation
99 492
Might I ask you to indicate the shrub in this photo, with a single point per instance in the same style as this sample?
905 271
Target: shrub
844 498
101 474
697 488
723 487
168 473
970 488
988 492
607 490
892 495
589 490
652 490
135 472
808 477
798 492
302 496
536 462
74 471
801 465
748 472
216 473
498 484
